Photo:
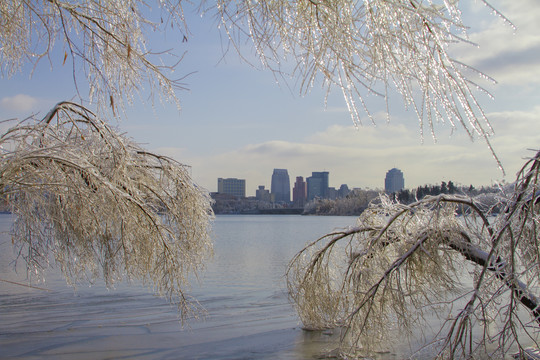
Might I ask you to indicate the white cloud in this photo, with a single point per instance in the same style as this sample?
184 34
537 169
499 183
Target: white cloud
508 55
19 103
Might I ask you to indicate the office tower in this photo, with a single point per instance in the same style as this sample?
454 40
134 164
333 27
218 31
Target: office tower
394 181
262 194
299 192
332 193
317 185
232 186
281 187
343 191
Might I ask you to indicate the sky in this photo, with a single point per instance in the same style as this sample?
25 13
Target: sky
237 121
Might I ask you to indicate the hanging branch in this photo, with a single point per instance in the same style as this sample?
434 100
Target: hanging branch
99 206
366 48
403 263
105 42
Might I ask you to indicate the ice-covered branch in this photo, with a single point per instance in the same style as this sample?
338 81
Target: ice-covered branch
104 41
100 206
502 272
403 264
364 48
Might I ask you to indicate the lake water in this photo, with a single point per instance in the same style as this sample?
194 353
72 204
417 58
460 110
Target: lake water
243 291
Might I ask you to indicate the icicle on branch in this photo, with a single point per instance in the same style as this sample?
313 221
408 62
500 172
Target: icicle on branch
366 48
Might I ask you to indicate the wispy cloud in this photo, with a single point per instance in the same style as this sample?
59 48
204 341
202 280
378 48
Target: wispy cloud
509 55
19 103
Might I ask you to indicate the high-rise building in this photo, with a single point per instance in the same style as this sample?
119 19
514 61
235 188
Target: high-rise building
394 181
332 193
281 186
343 191
299 192
317 185
232 186
262 194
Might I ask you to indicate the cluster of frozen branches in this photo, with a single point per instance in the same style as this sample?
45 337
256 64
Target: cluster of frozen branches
361 48
99 206
368 48
106 41
404 265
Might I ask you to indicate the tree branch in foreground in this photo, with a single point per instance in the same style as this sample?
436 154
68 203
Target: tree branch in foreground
402 267
99 206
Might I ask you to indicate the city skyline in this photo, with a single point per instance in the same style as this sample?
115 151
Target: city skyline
316 185
252 188
279 185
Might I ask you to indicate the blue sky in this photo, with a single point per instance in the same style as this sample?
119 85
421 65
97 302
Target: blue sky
236 121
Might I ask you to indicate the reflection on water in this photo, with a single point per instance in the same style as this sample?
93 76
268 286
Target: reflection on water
243 290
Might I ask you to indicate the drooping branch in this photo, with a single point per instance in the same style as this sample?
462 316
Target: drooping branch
403 263
364 48
106 42
100 206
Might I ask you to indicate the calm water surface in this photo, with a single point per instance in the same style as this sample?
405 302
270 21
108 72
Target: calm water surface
243 290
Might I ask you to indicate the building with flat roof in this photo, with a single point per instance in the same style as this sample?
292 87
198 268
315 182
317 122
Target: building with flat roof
299 192
232 186
281 186
343 191
394 181
317 185
262 194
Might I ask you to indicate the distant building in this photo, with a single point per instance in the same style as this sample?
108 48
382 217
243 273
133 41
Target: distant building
262 194
299 192
317 185
232 186
343 191
281 186
332 193
394 181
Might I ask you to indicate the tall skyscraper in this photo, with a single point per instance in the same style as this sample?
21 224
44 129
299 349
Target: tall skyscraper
232 186
281 186
317 185
394 181
299 192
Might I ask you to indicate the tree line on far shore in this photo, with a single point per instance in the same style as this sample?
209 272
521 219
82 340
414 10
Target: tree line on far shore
407 196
